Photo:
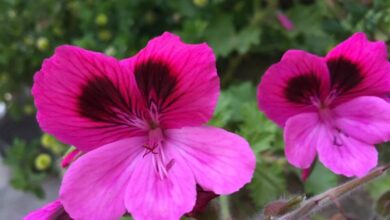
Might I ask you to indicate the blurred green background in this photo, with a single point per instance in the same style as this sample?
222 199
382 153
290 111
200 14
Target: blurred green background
246 37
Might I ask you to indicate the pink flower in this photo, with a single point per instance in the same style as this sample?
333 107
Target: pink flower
331 106
284 21
51 211
140 122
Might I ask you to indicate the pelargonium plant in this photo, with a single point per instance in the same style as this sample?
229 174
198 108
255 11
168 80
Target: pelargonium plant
139 123
333 107
142 146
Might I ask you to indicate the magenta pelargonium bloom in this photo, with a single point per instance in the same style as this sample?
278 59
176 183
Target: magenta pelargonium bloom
140 122
332 107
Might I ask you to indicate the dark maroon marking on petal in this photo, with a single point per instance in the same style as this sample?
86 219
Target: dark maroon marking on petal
102 101
156 81
344 74
301 88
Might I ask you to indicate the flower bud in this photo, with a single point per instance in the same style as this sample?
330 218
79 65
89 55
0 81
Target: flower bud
47 141
101 19
42 162
200 3
42 43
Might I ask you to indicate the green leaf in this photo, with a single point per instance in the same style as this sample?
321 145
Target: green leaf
223 114
237 109
38 191
230 102
192 30
379 186
320 180
224 39
257 129
246 38
268 184
220 34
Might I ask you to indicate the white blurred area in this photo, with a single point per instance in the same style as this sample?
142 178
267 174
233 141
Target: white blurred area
3 109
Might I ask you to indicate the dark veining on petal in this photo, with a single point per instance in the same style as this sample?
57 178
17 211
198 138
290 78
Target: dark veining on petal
301 88
344 74
337 140
102 101
155 80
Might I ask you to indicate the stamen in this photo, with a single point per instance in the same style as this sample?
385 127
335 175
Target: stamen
156 148
170 164
332 95
149 149
315 101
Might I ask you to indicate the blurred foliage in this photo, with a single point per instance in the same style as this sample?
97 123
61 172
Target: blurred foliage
32 162
238 32
383 205
379 187
26 176
32 29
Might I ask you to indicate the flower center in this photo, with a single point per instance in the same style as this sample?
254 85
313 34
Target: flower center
327 118
155 149
324 104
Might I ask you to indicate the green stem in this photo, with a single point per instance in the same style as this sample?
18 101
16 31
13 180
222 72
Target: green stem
234 62
225 210
312 205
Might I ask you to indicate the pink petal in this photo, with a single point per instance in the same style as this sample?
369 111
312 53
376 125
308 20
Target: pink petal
346 155
221 161
94 185
302 134
288 87
85 99
180 78
305 173
51 211
365 118
359 67
150 197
